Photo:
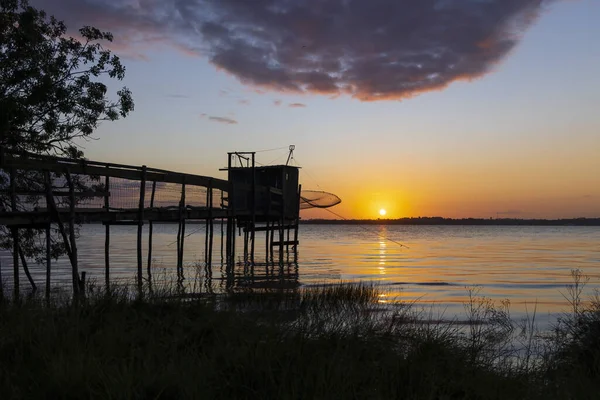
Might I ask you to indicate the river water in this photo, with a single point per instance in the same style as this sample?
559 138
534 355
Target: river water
530 266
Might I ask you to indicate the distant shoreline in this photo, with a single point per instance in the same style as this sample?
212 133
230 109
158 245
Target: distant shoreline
461 221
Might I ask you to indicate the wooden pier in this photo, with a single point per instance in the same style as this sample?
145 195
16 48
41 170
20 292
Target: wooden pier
53 194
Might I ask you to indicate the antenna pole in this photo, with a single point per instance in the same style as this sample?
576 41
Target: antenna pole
291 155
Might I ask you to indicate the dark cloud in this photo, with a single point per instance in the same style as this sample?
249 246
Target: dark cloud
223 120
371 50
297 105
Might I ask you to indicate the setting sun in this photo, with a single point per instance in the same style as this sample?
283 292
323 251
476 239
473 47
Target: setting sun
382 212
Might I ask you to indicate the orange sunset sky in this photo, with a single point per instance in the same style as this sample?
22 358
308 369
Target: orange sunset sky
483 109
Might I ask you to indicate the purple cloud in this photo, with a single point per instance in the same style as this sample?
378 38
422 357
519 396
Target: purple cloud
277 102
370 50
223 120
297 105
177 96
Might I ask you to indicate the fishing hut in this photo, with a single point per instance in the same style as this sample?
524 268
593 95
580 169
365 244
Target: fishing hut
50 196
265 199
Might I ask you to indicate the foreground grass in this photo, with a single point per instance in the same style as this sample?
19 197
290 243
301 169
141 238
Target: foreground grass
321 343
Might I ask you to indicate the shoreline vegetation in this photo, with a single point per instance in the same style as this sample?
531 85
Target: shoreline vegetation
324 342
459 221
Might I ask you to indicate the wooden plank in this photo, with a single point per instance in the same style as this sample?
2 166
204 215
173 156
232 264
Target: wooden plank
268 228
90 193
85 168
157 215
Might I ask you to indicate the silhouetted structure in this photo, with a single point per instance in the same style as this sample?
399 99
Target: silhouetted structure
252 199
265 198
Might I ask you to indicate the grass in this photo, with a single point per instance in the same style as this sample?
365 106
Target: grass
326 342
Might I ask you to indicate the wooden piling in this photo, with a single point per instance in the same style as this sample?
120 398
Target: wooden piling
246 236
74 264
15 235
297 223
272 240
287 244
281 228
222 239
233 235
48 261
178 246
253 210
267 242
150 232
140 225
228 241
1 284
211 224
281 240
206 226
181 229
107 234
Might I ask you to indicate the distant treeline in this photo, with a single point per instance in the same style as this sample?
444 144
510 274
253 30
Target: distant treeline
461 221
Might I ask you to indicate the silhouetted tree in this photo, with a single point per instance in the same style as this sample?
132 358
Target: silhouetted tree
52 93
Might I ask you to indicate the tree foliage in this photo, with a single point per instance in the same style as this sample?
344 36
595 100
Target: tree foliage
49 91
53 93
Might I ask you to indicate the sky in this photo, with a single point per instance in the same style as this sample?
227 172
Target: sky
453 108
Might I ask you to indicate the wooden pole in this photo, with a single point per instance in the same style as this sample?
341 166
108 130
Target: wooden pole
287 244
107 233
210 242
252 232
74 266
297 223
178 246
282 219
246 228
233 235
222 238
231 209
48 261
206 228
182 228
150 232
1 284
15 233
140 225
272 239
267 242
